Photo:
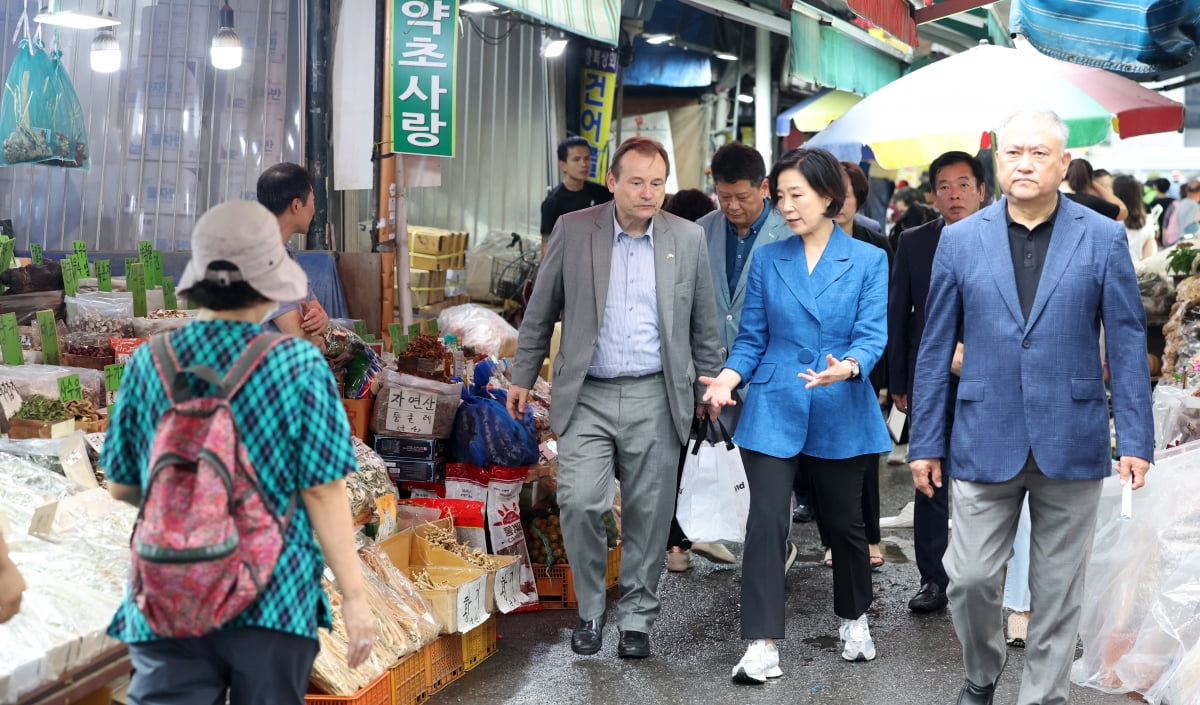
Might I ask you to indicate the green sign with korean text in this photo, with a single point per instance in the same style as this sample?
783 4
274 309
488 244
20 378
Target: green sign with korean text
424 54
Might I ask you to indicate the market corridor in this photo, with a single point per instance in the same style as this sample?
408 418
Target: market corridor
695 642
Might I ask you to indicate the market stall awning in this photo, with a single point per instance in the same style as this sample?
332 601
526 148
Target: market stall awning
826 56
1141 39
595 19
815 112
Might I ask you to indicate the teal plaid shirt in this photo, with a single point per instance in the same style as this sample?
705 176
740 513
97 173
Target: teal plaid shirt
296 435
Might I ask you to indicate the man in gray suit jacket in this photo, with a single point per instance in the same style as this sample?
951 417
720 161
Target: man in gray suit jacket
635 293
744 222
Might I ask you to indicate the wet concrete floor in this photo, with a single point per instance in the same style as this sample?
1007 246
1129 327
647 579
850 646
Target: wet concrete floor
696 642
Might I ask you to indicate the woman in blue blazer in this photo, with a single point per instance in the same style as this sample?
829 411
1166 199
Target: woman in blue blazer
813 325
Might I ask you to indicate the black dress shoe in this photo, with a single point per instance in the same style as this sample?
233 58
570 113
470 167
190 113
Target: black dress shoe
930 598
634 645
972 694
588 636
802 514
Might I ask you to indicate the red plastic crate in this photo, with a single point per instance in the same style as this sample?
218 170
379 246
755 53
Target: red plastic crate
443 662
408 680
377 692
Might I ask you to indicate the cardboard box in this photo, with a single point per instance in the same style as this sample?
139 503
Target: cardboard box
411 447
434 241
432 310
409 470
428 287
437 263
422 552
468 583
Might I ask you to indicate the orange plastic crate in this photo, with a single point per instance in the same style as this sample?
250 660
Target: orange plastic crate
613 573
408 680
556 586
479 643
377 692
443 662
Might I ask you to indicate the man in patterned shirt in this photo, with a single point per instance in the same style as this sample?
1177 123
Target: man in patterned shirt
301 450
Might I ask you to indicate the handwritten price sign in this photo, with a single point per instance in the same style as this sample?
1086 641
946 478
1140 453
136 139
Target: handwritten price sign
410 411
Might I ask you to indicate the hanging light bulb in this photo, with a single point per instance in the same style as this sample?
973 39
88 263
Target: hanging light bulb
226 49
106 51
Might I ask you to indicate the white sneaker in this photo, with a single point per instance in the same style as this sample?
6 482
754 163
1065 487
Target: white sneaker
898 455
856 640
902 520
760 663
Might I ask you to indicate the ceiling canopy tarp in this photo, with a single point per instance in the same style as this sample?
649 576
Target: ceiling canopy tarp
1142 39
595 19
833 59
815 112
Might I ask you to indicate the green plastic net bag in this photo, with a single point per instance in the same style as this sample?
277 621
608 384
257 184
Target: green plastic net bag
41 120
69 142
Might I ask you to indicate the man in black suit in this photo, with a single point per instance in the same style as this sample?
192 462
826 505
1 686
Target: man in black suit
959 190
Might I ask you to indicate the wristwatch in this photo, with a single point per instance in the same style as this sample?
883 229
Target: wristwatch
854 371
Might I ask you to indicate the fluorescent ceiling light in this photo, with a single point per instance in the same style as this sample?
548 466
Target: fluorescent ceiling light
76 20
477 7
553 48
743 98
659 38
726 56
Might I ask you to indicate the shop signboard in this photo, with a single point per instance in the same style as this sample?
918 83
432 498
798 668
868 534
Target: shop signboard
35 253
170 301
424 56
104 274
599 88
135 279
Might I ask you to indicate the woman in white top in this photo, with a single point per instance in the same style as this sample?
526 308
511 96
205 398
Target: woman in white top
1140 229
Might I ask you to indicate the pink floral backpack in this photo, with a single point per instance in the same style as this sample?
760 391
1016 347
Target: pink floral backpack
206 541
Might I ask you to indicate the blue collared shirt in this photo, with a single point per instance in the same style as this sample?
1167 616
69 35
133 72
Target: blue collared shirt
628 344
737 249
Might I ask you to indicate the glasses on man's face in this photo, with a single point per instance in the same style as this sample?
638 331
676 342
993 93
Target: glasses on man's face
960 187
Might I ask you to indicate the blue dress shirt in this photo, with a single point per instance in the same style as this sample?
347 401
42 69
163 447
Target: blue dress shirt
737 249
628 344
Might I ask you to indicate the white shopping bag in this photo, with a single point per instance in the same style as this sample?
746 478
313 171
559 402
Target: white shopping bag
714 499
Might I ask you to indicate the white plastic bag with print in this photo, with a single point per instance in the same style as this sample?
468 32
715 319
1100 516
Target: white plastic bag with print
506 535
714 498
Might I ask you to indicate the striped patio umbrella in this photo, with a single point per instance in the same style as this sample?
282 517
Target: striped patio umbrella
955 102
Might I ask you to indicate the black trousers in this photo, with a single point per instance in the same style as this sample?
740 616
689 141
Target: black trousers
931 533
870 502
837 487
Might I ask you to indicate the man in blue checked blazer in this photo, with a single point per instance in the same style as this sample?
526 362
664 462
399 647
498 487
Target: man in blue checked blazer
1029 280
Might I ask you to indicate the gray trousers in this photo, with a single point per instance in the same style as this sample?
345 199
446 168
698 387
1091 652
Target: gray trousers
1063 520
623 422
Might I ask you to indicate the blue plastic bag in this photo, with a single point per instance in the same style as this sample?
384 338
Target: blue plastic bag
485 434
41 120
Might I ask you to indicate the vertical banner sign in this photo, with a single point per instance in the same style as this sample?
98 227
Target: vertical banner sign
424 55
596 104
35 253
156 270
79 247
